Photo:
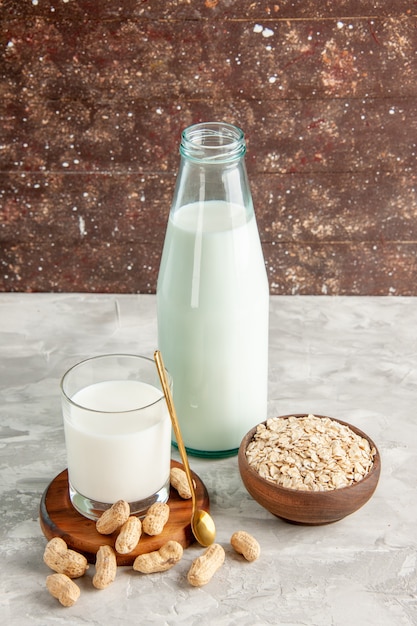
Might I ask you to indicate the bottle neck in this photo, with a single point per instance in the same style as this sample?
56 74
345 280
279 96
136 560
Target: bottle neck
212 142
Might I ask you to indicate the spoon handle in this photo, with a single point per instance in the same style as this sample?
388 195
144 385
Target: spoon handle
174 420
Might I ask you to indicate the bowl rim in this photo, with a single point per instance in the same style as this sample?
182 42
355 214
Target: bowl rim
328 493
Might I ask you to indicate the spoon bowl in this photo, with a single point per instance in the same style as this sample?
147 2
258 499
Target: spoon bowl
202 523
203 527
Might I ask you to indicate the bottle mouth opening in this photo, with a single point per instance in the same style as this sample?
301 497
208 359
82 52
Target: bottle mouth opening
213 142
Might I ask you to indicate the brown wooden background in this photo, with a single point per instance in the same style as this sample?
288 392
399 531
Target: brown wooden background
94 95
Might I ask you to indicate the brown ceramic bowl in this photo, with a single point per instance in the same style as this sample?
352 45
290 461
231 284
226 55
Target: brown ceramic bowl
308 507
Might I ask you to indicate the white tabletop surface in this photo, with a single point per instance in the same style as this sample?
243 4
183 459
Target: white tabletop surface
352 358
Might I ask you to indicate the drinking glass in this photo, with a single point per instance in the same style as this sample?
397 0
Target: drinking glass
117 434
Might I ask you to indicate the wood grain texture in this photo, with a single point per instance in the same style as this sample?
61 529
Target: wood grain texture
58 518
93 100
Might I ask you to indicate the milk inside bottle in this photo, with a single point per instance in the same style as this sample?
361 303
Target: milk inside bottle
213 296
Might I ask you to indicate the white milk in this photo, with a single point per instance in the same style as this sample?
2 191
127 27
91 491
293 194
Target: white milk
122 454
213 304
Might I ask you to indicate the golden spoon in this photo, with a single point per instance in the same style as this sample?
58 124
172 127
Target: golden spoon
202 523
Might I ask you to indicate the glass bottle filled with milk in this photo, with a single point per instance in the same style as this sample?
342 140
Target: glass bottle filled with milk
213 295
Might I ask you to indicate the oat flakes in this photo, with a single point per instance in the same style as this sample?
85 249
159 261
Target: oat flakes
309 453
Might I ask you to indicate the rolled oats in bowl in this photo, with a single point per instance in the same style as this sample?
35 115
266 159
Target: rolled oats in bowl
309 453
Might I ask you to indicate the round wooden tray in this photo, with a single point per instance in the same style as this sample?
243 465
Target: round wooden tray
58 518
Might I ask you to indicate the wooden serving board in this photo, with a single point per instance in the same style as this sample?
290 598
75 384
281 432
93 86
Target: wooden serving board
58 518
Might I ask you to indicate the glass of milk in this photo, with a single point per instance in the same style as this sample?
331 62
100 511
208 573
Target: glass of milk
117 434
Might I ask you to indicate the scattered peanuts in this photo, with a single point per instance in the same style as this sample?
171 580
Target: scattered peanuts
160 560
205 566
106 567
68 564
113 518
64 561
63 588
179 481
129 535
156 518
246 545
